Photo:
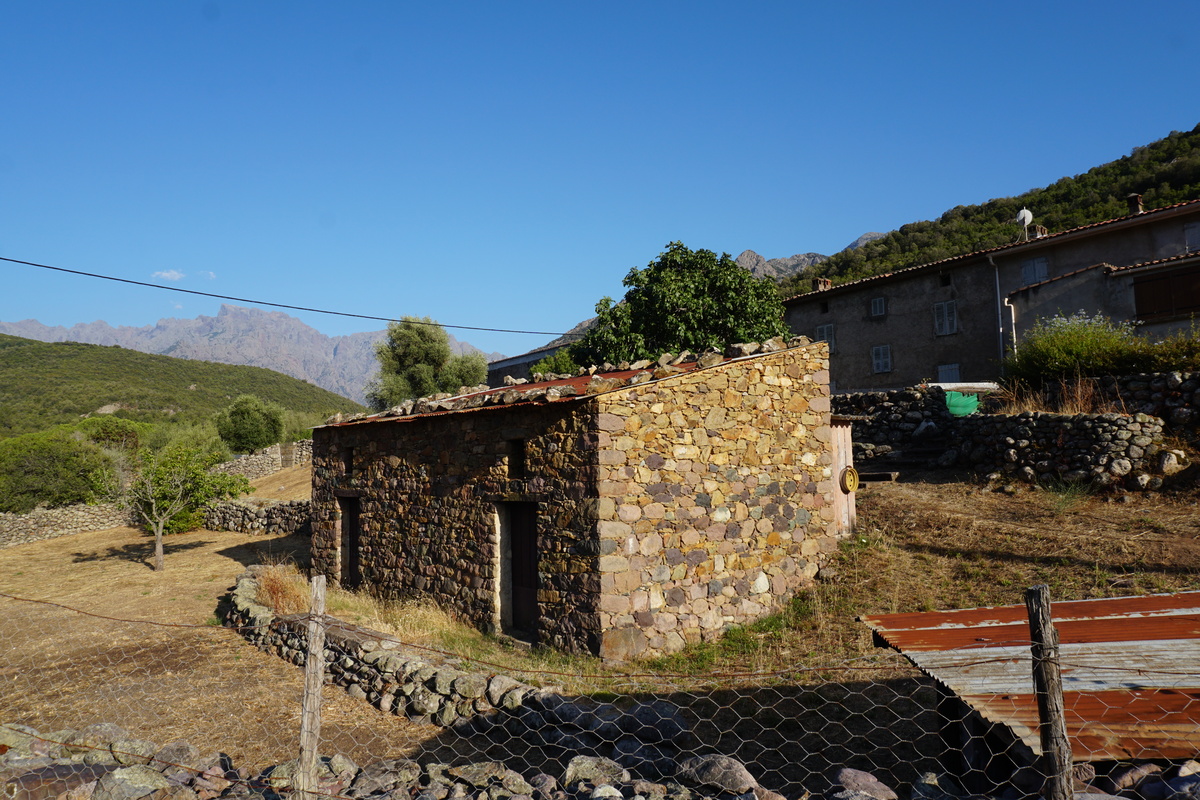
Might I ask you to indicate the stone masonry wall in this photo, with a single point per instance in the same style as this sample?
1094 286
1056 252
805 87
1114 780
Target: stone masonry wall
891 420
268 518
654 735
269 460
1172 396
48 523
716 498
1103 449
430 491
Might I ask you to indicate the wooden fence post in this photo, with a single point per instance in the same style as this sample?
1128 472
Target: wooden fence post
1047 683
305 780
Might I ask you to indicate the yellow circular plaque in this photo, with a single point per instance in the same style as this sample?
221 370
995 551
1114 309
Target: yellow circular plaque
849 479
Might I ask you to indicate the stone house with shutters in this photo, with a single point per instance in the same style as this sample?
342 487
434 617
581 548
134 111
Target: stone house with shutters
622 514
954 320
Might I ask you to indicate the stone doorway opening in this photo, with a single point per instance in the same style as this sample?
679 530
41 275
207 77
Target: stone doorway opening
518 584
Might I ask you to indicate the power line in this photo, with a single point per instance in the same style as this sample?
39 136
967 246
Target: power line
274 305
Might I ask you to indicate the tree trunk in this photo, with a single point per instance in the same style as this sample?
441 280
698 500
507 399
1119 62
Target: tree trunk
158 547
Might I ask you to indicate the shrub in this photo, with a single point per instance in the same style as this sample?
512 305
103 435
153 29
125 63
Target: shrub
52 469
1061 348
250 424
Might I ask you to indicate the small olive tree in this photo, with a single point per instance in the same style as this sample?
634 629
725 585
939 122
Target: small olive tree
173 486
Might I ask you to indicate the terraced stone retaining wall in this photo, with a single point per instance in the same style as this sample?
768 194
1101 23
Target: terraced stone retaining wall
1103 449
269 460
49 523
271 518
1111 449
652 735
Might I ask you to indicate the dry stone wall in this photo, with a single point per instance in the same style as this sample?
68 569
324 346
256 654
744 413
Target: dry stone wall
49 523
270 518
1102 449
651 735
1124 450
269 460
1172 396
715 498
893 420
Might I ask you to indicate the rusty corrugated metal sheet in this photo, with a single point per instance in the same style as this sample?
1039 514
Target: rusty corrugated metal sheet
1130 667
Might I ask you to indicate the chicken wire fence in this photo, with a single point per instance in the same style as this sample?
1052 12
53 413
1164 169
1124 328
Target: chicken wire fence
218 716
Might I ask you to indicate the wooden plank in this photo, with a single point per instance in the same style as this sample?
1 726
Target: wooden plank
1047 681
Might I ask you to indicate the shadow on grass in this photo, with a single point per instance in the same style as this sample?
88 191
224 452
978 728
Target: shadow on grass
960 554
140 551
271 550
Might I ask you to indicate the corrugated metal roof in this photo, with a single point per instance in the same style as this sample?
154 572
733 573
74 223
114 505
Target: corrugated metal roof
1130 669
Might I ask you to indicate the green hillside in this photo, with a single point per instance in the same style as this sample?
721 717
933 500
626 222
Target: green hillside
1165 172
44 384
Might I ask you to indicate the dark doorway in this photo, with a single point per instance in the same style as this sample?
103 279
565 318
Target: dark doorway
351 533
518 568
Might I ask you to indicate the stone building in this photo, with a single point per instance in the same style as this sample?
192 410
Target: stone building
621 513
954 320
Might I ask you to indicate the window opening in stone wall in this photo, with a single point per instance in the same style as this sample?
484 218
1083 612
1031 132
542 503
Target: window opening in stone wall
518 579
944 279
1034 270
948 373
347 461
825 334
516 458
824 306
351 536
878 306
945 318
881 358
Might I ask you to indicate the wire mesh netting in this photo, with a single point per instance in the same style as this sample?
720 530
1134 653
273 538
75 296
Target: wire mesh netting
84 696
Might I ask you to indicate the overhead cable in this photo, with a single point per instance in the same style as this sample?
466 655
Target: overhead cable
276 305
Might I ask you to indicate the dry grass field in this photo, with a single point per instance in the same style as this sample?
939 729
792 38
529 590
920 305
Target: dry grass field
921 545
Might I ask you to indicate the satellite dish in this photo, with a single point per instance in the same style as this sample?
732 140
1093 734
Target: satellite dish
1025 216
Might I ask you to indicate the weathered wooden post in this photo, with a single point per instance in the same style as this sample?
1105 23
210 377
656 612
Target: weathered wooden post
1047 683
304 782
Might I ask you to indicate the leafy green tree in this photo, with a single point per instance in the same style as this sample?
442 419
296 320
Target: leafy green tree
683 300
172 488
559 362
53 468
250 424
415 360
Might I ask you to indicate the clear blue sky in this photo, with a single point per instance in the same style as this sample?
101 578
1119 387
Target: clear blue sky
504 164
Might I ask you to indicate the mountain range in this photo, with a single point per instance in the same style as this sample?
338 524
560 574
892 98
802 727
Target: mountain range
246 336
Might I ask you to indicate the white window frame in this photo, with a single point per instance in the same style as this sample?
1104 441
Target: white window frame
881 358
825 334
948 373
945 318
1035 270
878 306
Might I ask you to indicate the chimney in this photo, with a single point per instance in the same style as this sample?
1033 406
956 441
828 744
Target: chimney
1135 203
821 284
